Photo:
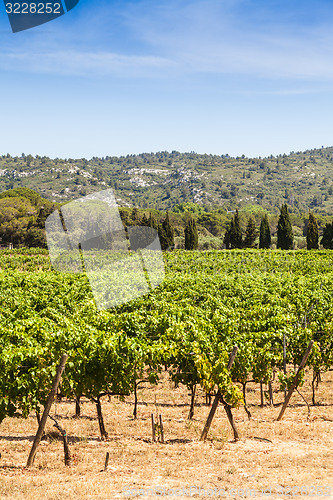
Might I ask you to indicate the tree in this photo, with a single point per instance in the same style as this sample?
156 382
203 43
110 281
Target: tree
166 234
135 216
250 233
312 236
191 234
235 232
327 239
285 237
226 239
265 233
152 221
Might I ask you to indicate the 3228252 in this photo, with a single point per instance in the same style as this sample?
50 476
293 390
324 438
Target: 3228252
33 8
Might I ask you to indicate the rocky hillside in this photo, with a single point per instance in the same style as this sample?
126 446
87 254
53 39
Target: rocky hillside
162 180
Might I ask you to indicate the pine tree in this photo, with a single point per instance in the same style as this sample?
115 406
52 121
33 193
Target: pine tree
191 234
265 233
285 237
235 232
327 239
166 234
250 233
312 236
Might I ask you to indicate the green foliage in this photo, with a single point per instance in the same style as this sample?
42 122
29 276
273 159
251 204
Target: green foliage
312 236
191 234
265 233
250 233
190 182
166 234
193 208
208 303
31 196
285 238
233 234
22 217
327 239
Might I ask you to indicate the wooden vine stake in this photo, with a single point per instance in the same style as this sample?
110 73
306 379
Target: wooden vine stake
161 429
153 430
107 458
295 382
47 409
157 427
216 401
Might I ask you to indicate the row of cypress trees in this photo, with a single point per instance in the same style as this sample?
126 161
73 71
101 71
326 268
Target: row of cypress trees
234 238
285 237
166 232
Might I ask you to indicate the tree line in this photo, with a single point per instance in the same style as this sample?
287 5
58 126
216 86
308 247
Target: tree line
233 237
23 213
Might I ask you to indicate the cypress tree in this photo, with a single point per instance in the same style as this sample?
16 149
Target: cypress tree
312 236
265 233
191 234
144 220
166 234
226 239
327 239
135 216
285 237
152 222
235 232
250 233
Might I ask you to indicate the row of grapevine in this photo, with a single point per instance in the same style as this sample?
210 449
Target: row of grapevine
208 303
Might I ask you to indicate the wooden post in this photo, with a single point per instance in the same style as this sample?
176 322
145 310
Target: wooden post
161 429
191 412
270 389
261 395
231 420
294 384
135 399
153 428
284 362
46 412
106 461
210 417
216 400
77 407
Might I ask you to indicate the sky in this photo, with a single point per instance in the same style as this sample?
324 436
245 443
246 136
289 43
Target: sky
211 76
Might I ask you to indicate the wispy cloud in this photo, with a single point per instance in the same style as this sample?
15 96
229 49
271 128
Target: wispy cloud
80 63
183 37
216 37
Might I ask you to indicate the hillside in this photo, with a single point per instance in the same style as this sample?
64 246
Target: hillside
304 179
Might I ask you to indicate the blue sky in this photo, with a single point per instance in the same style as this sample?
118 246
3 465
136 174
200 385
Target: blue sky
211 76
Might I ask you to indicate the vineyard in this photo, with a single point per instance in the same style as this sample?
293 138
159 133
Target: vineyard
184 331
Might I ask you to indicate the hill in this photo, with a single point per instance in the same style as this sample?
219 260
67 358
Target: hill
163 180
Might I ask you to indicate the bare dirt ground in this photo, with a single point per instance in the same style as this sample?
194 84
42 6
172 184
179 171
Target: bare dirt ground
288 459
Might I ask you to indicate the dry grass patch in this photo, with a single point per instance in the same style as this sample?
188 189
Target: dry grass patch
295 452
